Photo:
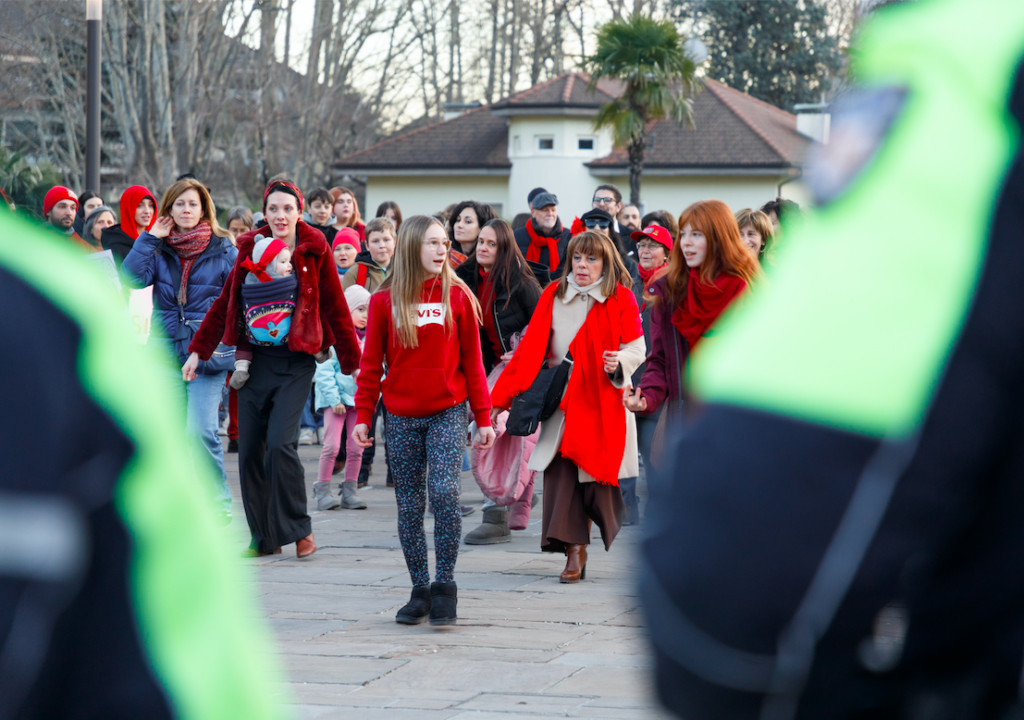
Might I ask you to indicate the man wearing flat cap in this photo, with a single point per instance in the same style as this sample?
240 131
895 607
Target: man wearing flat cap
543 241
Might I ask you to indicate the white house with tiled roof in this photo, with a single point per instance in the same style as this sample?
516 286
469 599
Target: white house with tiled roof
740 151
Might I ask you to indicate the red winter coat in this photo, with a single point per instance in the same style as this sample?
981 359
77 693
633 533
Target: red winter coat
321 316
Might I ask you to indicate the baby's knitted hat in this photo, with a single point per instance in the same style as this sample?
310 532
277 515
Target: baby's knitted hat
262 263
262 245
357 296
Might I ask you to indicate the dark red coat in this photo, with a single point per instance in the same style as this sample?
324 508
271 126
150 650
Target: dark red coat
321 316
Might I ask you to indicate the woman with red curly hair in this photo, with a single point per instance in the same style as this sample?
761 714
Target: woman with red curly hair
709 267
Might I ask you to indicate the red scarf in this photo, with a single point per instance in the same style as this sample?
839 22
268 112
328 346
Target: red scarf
704 303
455 258
259 269
649 276
189 246
595 420
485 294
539 242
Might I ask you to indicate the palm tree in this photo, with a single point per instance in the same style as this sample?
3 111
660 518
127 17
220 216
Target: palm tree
23 183
648 57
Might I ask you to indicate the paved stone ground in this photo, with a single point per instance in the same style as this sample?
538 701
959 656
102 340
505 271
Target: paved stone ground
525 646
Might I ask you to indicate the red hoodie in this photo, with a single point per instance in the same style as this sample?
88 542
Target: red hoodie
441 372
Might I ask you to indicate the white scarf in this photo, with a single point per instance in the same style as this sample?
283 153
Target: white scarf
586 289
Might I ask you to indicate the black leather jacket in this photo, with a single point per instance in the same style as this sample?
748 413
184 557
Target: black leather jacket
509 318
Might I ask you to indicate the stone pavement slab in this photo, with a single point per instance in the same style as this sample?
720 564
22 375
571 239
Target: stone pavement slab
526 646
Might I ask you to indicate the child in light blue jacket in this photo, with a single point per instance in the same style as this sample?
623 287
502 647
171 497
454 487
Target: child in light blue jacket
335 395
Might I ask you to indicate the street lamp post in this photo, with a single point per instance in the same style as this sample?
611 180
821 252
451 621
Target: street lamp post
94 36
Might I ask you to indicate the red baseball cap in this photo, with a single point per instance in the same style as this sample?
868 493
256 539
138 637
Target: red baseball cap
654 232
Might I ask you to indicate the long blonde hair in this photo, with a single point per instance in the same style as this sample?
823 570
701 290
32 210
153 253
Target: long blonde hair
405 282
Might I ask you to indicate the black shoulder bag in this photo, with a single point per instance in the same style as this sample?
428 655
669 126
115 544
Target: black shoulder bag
531 408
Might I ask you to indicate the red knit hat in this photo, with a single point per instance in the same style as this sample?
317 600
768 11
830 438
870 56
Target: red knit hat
654 232
262 253
55 194
346 235
283 186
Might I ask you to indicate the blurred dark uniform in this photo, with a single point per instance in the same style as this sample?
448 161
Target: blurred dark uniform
860 440
117 595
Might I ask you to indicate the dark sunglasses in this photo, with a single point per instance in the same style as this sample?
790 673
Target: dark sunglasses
597 223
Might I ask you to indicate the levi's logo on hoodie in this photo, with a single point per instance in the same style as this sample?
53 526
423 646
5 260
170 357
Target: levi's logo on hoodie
429 314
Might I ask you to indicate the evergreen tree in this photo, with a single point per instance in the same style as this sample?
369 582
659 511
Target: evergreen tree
780 51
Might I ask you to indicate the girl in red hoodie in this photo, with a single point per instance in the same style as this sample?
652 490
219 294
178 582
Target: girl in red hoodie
424 327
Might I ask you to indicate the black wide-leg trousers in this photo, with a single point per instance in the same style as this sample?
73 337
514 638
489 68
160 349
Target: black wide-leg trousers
271 474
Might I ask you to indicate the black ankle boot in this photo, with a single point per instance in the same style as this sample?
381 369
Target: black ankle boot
443 599
417 609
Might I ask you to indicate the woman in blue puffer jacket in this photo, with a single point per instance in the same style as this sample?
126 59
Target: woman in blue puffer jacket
187 258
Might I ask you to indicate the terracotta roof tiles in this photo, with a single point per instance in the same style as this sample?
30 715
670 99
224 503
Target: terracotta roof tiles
477 139
568 90
732 131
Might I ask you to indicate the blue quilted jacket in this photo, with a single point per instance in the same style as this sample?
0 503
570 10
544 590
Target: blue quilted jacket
153 262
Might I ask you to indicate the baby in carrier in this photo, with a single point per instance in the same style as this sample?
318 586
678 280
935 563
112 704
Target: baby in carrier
268 298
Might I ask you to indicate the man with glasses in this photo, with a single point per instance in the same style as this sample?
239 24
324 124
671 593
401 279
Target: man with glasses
609 198
543 241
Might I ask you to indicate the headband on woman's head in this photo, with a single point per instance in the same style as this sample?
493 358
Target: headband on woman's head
285 187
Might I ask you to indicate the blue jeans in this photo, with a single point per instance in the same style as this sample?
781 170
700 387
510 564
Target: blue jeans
628 488
310 419
202 396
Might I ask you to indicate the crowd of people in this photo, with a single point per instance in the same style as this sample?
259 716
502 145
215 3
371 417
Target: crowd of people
507 349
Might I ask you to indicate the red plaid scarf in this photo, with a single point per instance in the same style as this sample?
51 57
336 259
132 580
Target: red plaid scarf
189 246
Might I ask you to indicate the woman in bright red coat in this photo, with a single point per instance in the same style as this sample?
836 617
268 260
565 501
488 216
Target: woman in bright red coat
590 442
280 377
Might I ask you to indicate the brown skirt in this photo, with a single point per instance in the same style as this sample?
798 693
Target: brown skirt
570 504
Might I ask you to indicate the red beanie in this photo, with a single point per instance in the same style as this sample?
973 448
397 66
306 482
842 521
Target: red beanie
55 194
346 235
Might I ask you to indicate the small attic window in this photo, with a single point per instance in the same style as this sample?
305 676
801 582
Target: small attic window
586 143
546 143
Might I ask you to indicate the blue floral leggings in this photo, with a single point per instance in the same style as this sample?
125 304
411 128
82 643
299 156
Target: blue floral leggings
426 452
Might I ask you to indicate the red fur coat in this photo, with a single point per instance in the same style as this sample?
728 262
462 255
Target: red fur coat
321 316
